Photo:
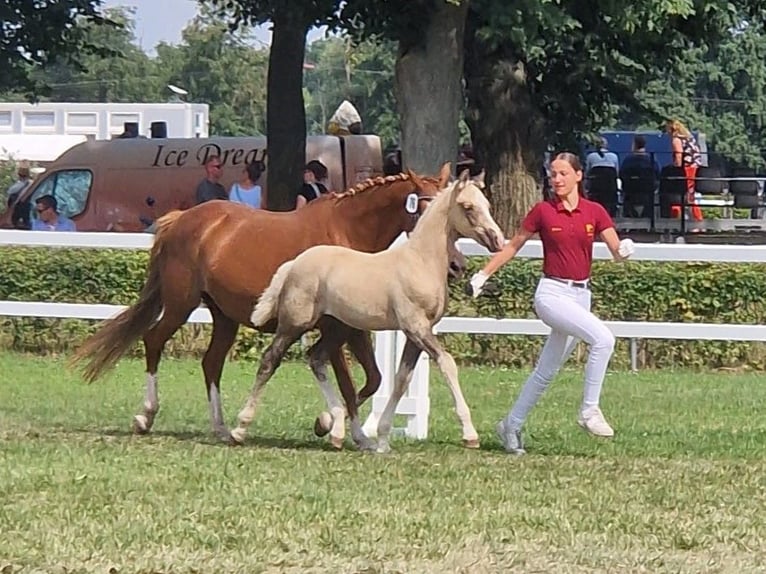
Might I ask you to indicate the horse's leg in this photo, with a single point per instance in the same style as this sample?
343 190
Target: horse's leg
224 333
430 344
154 342
410 355
269 363
360 344
348 391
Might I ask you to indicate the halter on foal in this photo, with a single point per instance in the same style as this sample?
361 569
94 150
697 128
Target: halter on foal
403 288
224 254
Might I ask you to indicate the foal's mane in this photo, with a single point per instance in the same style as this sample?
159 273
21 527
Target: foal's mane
375 182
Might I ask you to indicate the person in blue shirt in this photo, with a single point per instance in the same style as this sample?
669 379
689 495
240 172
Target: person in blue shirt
247 190
602 157
48 217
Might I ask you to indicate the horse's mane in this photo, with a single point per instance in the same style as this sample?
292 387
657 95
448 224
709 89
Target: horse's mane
373 182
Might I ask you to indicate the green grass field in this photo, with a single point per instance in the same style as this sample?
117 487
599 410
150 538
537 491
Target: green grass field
681 488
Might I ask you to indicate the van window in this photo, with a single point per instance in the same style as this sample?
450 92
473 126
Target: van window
70 188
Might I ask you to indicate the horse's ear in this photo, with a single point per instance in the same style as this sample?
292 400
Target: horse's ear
414 177
445 173
465 175
480 177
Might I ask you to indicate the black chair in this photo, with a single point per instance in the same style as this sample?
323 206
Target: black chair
672 188
706 186
745 192
638 186
602 187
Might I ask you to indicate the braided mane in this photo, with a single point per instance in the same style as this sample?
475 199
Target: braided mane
371 182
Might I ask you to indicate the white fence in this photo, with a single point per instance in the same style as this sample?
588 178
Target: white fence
415 404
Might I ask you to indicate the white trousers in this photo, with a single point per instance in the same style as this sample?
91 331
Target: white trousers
566 310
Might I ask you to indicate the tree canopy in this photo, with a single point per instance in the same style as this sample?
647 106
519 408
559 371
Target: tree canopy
37 33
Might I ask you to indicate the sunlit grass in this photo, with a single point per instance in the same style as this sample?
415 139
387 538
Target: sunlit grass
681 488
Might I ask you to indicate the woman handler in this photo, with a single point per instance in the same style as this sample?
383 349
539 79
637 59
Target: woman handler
567 225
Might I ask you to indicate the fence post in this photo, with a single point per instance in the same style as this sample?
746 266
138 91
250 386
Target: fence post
633 354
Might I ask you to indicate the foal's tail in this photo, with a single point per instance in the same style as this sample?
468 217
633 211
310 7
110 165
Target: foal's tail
268 304
105 347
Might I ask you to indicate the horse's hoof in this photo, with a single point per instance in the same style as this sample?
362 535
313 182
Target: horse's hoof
237 437
323 424
471 443
368 446
336 442
383 448
141 425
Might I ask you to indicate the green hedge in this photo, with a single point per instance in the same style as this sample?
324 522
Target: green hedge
700 292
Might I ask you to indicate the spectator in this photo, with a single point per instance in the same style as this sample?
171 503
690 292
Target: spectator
639 159
24 179
686 154
313 175
48 217
210 187
601 157
247 191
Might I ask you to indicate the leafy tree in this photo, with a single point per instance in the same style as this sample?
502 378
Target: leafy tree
218 66
39 33
718 89
117 71
285 112
361 72
542 73
428 72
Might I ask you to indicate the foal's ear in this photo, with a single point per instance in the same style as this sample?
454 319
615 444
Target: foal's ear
445 173
480 177
465 175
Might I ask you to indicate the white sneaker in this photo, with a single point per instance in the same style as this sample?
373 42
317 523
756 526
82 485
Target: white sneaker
593 421
511 439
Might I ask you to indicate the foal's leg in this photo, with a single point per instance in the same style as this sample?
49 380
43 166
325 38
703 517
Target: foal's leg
410 356
271 359
430 344
318 356
318 360
224 333
154 342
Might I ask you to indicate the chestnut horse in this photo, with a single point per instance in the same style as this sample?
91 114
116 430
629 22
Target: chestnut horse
224 255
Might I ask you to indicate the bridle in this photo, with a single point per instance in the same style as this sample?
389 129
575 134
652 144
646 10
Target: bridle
412 205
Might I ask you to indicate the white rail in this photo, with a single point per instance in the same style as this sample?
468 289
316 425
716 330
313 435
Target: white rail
415 405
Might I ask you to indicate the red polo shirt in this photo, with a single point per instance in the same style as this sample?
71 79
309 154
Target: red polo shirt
567 237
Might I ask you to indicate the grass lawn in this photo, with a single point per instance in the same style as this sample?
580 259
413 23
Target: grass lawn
681 488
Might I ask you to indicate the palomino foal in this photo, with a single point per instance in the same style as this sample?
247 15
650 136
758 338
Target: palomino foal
403 288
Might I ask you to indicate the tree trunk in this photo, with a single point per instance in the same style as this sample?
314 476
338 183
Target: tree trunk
513 192
285 113
507 128
429 97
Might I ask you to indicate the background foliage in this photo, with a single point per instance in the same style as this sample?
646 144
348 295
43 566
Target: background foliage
636 291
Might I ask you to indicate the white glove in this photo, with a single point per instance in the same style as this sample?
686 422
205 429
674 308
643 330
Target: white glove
477 283
627 248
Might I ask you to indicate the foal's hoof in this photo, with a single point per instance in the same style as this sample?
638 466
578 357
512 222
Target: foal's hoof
141 425
323 424
237 437
336 442
471 443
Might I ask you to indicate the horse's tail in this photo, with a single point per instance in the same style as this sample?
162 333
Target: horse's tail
104 348
267 306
